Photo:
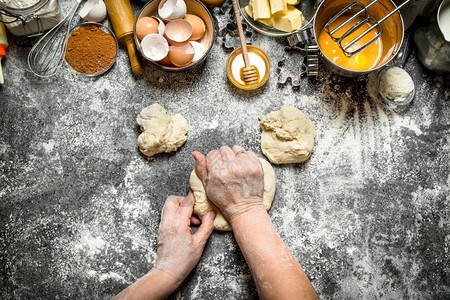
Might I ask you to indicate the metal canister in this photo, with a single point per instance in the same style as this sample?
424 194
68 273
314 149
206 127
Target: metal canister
30 17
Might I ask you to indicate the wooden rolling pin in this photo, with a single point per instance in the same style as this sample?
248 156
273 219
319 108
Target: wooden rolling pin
122 20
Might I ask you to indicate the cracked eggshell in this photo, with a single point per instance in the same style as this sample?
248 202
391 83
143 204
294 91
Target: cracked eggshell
199 50
172 9
146 25
181 56
198 26
97 13
178 32
161 26
154 47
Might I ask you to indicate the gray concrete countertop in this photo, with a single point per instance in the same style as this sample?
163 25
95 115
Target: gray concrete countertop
367 216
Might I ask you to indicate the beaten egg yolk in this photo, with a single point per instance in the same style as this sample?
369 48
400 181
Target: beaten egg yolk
365 60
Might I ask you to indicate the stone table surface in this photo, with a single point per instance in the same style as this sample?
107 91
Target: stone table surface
367 216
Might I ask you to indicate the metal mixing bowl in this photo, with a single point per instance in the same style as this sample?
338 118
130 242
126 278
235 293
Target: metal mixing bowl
307 7
391 38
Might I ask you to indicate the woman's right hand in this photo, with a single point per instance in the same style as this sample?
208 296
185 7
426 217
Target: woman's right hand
233 179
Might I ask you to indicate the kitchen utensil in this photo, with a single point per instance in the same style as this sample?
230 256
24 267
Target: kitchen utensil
249 72
122 20
45 57
391 36
368 19
193 7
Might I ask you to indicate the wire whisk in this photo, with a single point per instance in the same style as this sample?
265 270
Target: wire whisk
45 58
367 19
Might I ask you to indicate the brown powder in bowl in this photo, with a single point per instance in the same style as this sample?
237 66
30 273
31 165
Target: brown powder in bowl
90 50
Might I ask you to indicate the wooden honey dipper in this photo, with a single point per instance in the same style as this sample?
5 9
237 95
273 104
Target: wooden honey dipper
250 74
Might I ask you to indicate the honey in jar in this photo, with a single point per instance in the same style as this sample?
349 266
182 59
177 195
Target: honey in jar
365 60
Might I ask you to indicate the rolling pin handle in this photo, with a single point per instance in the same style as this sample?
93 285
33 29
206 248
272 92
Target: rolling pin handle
136 65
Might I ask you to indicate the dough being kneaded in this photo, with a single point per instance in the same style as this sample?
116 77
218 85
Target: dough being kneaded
203 204
288 136
161 132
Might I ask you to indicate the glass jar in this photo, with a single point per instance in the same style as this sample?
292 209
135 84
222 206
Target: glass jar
30 17
433 40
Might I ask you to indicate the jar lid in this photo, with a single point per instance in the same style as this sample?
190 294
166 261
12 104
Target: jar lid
22 7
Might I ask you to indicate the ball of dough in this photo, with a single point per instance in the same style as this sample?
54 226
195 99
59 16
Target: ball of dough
161 132
288 136
203 205
396 84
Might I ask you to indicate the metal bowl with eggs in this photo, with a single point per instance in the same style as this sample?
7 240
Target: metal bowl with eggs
175 35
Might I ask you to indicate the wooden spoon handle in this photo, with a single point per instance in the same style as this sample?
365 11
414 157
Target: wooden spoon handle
241 34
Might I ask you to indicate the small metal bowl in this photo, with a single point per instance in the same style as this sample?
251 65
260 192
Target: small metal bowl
307 7
390 102
104 29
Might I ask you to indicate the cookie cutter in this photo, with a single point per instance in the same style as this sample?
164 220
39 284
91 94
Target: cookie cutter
301 58
229 33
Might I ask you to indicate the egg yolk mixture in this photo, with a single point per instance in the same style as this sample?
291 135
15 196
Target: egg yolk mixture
365 60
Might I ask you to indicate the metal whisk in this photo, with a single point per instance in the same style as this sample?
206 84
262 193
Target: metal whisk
45 57
367 19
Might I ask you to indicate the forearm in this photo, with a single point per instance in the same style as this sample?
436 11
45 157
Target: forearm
154 285
277 273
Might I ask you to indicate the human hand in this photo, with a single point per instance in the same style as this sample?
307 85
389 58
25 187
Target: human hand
178 249
233 179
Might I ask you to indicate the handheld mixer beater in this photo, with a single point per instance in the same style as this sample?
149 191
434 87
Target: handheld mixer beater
346 45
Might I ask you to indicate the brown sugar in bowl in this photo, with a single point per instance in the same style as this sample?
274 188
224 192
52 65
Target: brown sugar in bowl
91 49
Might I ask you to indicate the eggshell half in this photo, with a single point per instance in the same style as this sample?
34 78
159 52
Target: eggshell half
154 47
172 9
198 26
178 32
146 25
181 56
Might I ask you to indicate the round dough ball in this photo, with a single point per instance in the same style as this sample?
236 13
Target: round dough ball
288 136
203 204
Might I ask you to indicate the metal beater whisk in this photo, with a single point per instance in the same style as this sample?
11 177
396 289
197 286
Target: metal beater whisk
374 24
46 55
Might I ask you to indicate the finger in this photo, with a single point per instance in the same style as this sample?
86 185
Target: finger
227 154
213 158
171 205
205 229
238 149
187 206
200 166
195 220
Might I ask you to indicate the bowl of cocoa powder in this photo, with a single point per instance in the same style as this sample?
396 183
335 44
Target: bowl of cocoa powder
91 49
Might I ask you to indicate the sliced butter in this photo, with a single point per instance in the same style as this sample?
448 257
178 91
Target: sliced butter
249 10
268 22
277 6
292 2
261 9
